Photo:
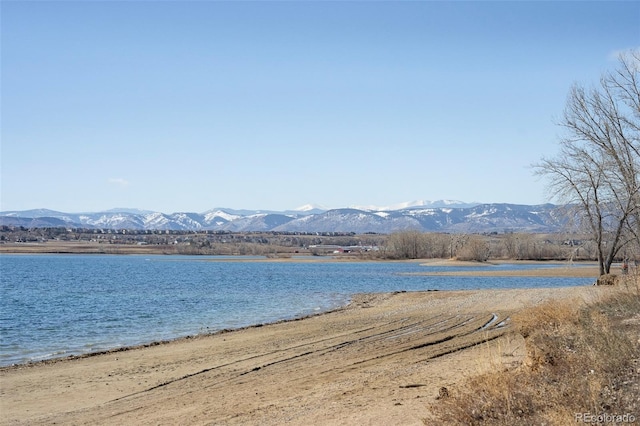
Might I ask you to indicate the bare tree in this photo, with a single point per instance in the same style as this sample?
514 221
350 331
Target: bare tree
597 168
475 248
407 244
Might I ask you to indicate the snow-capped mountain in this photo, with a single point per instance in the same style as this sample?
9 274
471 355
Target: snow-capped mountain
423 216
417 203
311 208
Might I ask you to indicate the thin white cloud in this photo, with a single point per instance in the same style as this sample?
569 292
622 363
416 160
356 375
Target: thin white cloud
118 181
615 54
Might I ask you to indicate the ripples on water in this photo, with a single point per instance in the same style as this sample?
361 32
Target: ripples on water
58 305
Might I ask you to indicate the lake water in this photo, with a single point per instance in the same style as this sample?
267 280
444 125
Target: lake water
58 305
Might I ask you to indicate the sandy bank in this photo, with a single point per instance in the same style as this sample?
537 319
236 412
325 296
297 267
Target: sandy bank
379 361
554 269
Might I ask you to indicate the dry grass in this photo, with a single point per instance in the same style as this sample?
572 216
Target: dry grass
580 359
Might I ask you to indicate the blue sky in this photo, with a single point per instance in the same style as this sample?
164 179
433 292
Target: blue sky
187 106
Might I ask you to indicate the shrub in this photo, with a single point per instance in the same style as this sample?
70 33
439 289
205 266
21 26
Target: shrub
476 248
578 360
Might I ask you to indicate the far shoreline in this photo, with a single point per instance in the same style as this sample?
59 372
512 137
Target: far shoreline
560 268
84 248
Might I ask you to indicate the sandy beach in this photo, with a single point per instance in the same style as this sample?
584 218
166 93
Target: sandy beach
382 360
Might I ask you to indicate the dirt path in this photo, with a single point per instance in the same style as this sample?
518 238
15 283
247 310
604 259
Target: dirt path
380 361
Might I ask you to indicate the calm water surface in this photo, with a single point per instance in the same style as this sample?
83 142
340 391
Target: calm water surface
59 305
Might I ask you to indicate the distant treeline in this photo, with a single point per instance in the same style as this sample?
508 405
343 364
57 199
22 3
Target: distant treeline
399 245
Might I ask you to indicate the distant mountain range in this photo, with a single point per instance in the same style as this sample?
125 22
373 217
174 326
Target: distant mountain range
442 216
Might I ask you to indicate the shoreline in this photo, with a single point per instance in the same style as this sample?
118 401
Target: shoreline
177 340
558 271
382 357
301 257
357 299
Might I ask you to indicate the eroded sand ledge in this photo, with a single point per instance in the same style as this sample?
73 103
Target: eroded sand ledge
380 361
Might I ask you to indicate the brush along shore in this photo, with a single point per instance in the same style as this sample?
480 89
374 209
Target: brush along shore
582 365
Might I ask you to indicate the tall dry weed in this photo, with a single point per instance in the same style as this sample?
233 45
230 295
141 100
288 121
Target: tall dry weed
579 359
